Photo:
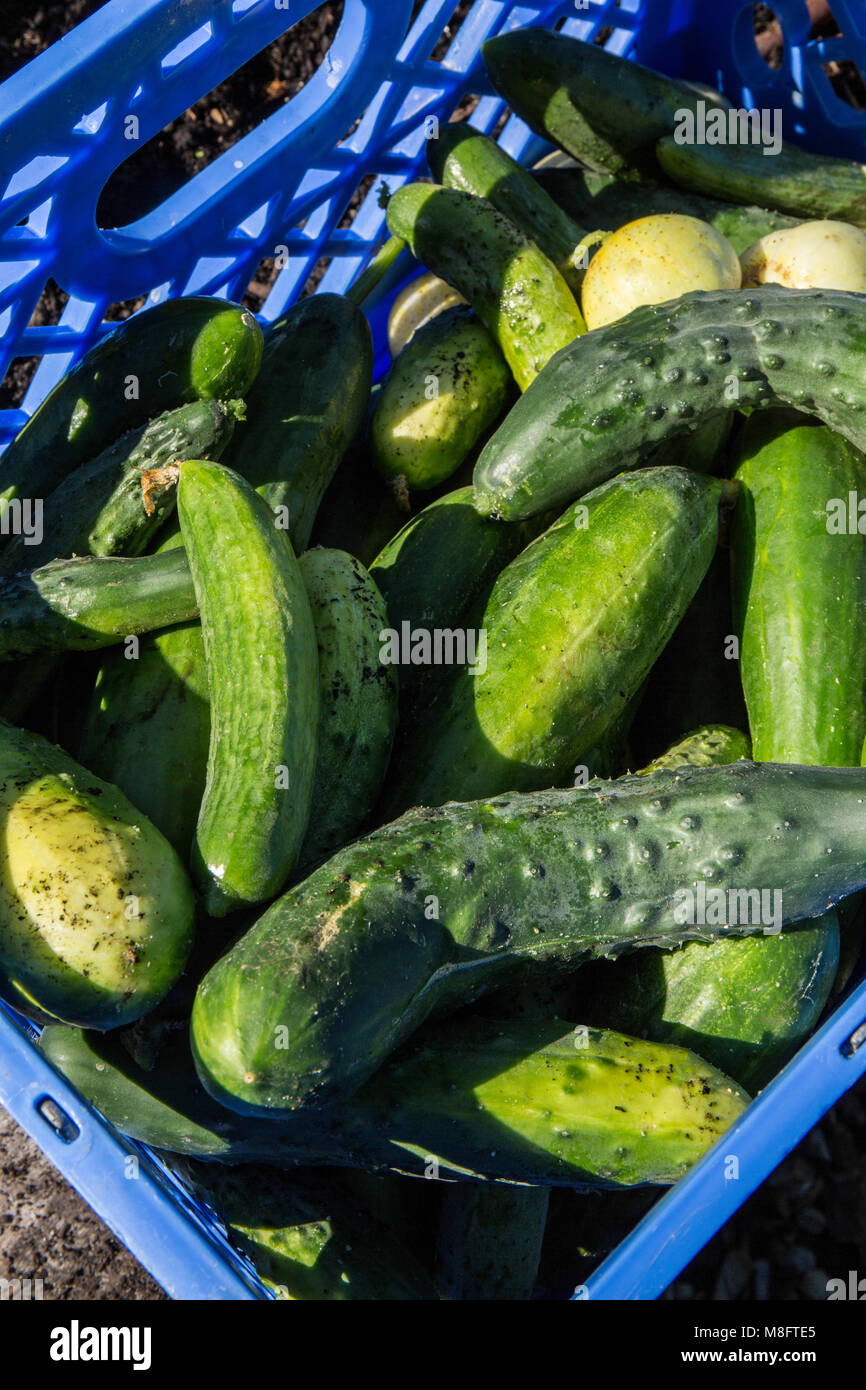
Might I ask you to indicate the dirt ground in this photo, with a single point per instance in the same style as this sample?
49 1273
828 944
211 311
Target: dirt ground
48 1232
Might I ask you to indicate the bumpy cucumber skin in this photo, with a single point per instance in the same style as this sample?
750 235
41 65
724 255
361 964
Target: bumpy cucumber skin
99 509
794 181
558 876
603 403
178 351
435 571
745 1005
603 110
148 726
358 700
461 157
512 286
309 1241
424 439
573 626
489 1242
508 1101
305 407
262 663
601 200
799 593
96 911
710 746
92 602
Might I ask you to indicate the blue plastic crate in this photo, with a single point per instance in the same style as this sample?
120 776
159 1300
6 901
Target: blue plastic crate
283 190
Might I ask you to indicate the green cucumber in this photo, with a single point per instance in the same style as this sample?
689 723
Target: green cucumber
799 585
305 407
805 185
178 351
605 111
435 571
510 1101
358 513
357 700
147 729
515 290
601 200
93 602
490 1239
260 647
696 680
307 1238
709 746
96 912
441 396
573 626
606 401
430 911
99 509
461 157
744 1005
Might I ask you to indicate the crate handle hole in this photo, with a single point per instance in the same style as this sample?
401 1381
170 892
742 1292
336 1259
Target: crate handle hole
855 1042
769 35
55 1116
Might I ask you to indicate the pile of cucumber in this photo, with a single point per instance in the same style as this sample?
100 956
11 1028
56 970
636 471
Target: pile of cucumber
355 736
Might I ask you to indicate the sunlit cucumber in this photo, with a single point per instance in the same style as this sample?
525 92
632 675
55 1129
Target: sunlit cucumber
262 665
430 911
604 402
442 394
525 1102
567 637
516 291
462 157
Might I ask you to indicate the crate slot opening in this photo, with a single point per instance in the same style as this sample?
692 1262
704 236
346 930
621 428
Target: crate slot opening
214 124
57 1119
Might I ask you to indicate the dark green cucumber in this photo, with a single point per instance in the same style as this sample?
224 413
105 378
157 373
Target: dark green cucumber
148 726
260 647
430 911
573 626
357 700
359 513
606 401
461 157
435 571
305 407
799 585
795 181
96 601
510 1101
307 1237
709 746
490 1239
602 200
442 394
175 352
605 111
696 680
515 290
96 912
99 509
